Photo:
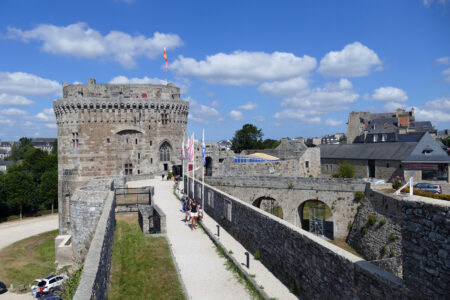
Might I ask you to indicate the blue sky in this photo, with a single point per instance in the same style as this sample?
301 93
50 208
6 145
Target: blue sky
292 68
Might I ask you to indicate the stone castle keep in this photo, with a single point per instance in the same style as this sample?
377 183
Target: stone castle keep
115 129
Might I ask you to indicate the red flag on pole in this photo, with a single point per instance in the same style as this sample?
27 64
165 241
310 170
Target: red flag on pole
165 58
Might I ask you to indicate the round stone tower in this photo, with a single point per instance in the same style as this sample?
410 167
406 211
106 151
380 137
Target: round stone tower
115 129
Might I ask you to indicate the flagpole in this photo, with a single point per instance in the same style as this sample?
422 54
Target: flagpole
187 161
193 167
203 169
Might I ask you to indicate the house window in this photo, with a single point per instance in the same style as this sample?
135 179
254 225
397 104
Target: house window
307 164
387 165
164 119
75 140
128 169
164 152
108 140
227 210
139 171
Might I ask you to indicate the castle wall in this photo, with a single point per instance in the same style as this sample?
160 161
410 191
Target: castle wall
315 268
115 129
291 192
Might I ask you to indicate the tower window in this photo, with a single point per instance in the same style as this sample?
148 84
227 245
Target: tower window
306 164
151 160
164 119
135 141
75 140
164 152
139 156
108 140
128 169
151 143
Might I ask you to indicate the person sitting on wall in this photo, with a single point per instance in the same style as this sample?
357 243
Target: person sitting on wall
194 214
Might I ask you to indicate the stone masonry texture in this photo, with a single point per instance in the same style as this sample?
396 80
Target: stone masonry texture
315 268
115 129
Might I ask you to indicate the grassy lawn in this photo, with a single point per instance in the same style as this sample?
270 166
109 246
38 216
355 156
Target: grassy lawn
142 267
28 259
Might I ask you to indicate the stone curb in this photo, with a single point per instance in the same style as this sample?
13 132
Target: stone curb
241 270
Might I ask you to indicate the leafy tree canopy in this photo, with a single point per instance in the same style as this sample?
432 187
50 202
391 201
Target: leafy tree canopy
346 170
249 137
18 150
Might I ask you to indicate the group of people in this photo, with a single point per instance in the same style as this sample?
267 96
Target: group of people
193 211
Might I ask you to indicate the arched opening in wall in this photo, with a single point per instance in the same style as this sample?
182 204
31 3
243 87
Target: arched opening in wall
316 217
208 166
269 205
164 152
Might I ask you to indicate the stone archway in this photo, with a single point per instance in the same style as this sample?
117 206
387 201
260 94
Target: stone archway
209 166
317 217
269 205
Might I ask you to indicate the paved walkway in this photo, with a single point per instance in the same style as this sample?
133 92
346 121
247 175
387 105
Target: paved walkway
202 270
13 231
204 273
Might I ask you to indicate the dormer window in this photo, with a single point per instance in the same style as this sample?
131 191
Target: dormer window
383 137
427 151
375 138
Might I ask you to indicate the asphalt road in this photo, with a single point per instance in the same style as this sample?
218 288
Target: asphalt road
11 232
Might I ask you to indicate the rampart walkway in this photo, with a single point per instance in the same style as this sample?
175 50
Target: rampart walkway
202 270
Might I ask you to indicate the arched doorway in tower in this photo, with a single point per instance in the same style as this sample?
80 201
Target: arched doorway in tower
164 155
208 166
269 205
317 217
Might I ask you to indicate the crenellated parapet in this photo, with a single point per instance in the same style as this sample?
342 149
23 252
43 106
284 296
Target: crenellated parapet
119 110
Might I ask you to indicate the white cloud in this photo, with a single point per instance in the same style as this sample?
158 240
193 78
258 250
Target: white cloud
242 67
355 60
81 41
144 80
214 103
443 60
13 112
14 100
236 115
388 93
259 118
333 96
249 106
436 111
298 114
201 113
47 116
334 123
25 84
276 124
427 3
284 88
393 106
446 73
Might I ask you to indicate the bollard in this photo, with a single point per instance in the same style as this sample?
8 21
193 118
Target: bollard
248 259
218 230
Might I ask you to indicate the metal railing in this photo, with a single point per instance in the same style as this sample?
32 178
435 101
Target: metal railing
132 196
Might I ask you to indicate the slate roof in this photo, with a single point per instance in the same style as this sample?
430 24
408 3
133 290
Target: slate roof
6 163
3 151
409 137
422 126
428 143
384 151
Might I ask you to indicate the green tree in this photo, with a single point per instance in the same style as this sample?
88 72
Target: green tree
20 191
48 188
35 161
346 170
270 144
249 137
55 147
18 150
3 204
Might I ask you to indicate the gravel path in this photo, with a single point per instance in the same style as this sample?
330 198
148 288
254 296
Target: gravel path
202 270
11 232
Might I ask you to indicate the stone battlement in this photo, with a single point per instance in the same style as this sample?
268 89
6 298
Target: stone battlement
119 91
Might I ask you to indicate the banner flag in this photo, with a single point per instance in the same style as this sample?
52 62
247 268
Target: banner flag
203 148
191 148
165 58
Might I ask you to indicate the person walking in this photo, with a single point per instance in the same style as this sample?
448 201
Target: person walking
163 174
186 205
194 213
